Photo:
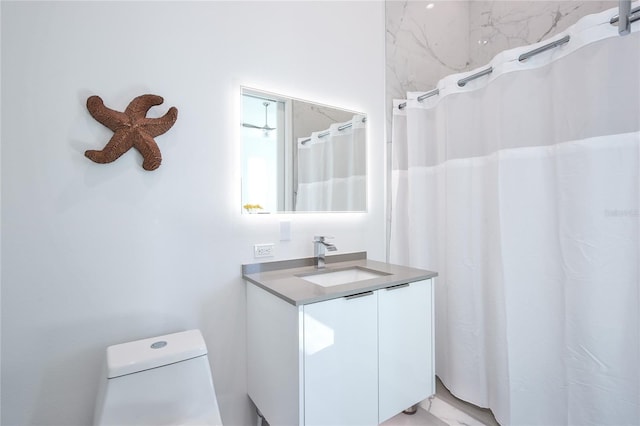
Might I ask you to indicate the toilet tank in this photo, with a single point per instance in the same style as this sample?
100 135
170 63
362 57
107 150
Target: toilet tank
163 380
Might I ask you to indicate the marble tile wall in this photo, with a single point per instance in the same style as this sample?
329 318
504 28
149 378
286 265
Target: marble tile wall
427 40
495 26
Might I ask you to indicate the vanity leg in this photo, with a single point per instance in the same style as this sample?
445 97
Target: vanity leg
261 420
411 410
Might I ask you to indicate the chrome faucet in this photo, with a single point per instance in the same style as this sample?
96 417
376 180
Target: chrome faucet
320 247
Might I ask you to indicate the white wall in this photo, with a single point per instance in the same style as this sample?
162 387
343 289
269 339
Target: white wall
94 255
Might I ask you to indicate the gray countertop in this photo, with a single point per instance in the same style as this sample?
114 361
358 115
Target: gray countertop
281 278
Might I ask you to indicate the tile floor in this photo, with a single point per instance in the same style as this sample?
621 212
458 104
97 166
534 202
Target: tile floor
421 417
439 414
444 409
482 415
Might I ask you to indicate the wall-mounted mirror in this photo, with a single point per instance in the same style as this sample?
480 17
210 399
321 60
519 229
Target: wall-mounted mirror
301 156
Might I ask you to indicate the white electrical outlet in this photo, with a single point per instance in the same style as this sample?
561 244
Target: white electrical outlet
263 250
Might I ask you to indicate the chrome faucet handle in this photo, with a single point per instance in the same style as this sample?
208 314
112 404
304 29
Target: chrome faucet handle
320 246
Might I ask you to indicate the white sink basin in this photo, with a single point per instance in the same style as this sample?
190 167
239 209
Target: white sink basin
342 276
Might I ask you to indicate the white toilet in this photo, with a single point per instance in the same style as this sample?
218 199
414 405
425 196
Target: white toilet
163 380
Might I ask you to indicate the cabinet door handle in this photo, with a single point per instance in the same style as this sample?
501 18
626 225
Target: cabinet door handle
355 296
395 287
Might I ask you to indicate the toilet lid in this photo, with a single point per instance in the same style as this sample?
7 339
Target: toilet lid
141 355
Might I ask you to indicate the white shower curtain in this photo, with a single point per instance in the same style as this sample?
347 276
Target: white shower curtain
332 168
522 189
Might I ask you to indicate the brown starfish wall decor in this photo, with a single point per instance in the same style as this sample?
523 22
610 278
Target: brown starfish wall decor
131 128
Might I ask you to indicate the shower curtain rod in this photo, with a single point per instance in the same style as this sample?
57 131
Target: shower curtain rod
633 15
421 98
551 45
463 81
327 133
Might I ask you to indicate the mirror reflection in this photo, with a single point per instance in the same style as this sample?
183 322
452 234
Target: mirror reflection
301 156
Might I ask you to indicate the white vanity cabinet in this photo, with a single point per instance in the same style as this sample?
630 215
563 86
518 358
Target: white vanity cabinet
354 360
406 372
340 344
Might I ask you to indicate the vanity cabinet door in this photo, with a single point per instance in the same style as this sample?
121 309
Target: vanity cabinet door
341 361
405 332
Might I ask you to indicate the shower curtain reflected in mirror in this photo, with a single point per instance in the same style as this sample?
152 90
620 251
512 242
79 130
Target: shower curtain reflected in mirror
332 168
522 189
